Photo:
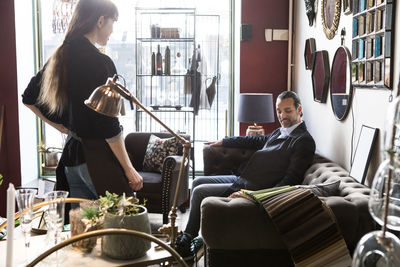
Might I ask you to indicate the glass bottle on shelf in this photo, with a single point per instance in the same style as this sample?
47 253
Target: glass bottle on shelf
159 61
167 66
153 63
177 67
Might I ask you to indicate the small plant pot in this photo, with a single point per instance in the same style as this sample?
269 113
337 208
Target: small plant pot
124 247
79 227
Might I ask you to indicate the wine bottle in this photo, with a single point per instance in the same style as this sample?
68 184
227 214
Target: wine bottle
198 54
153 63
167 66
159 61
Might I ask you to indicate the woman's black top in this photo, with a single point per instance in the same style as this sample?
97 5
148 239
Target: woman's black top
87 68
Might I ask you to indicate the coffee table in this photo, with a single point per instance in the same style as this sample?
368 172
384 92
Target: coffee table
70 256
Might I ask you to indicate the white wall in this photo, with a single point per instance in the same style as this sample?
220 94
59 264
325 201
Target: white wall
333 137
25 70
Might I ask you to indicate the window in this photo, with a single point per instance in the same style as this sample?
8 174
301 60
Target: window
122 48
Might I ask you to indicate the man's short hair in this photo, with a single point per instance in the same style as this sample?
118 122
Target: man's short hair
290 94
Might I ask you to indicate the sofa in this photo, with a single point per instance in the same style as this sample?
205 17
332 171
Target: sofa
238 232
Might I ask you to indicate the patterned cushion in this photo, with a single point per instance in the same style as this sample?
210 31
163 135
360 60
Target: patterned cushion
157 150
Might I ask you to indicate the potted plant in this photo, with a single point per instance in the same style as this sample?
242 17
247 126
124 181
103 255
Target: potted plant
113 211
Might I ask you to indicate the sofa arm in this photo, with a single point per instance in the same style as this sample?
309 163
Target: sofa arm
220 160
237 223
352 217
169 177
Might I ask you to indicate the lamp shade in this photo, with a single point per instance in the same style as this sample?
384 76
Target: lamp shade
105 100
256 108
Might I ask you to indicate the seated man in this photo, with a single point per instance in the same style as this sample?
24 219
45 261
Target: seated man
282 158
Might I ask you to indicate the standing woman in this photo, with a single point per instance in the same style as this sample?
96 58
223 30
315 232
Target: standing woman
94 158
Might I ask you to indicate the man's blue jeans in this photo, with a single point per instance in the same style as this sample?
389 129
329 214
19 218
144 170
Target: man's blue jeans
203 187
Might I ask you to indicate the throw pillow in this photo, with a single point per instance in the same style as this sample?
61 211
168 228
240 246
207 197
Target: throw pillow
324 190
157 150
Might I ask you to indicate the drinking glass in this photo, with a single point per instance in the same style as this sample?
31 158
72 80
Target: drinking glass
54 215
54 218
25 199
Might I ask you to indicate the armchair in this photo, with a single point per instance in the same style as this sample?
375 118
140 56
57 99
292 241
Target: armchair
158 188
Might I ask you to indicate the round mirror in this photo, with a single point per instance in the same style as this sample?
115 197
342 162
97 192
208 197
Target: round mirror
341 88
330 15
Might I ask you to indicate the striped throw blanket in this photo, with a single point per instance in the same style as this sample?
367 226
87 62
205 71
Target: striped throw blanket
307 225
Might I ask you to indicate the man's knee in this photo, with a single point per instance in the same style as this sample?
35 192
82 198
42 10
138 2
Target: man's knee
200 191
200 180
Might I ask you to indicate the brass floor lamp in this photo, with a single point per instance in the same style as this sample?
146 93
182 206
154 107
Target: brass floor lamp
106 100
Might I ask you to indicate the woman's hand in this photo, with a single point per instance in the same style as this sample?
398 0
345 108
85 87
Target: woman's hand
60 128
135 179
117 145
38 113
214 143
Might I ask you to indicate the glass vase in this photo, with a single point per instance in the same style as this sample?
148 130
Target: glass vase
374 249
378 194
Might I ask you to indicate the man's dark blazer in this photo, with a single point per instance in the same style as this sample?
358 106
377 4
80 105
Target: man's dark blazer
277 162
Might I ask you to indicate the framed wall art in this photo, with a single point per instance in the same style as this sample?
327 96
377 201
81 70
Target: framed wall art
309 50
363 153
320 76
373 43
341 88
330 16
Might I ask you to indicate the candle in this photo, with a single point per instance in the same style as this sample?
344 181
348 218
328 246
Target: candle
10 224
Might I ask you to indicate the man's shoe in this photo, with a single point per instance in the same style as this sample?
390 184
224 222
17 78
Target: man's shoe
197 247
183 246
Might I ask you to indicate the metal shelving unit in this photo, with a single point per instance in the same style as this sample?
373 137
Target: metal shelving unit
165 94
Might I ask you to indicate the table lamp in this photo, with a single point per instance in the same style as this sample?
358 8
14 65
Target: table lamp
106 100
256 108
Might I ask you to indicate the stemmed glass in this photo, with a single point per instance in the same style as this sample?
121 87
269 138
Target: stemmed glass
54 217
54 214
25 199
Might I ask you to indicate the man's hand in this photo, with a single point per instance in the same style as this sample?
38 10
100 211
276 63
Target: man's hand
236 195
135 180
214 143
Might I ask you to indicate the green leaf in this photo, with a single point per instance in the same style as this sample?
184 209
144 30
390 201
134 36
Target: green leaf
90 213
118 205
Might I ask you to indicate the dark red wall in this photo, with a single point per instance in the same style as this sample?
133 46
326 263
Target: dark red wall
9 154
263 65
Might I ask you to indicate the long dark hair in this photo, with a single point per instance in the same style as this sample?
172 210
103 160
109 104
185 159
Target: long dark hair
53 91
